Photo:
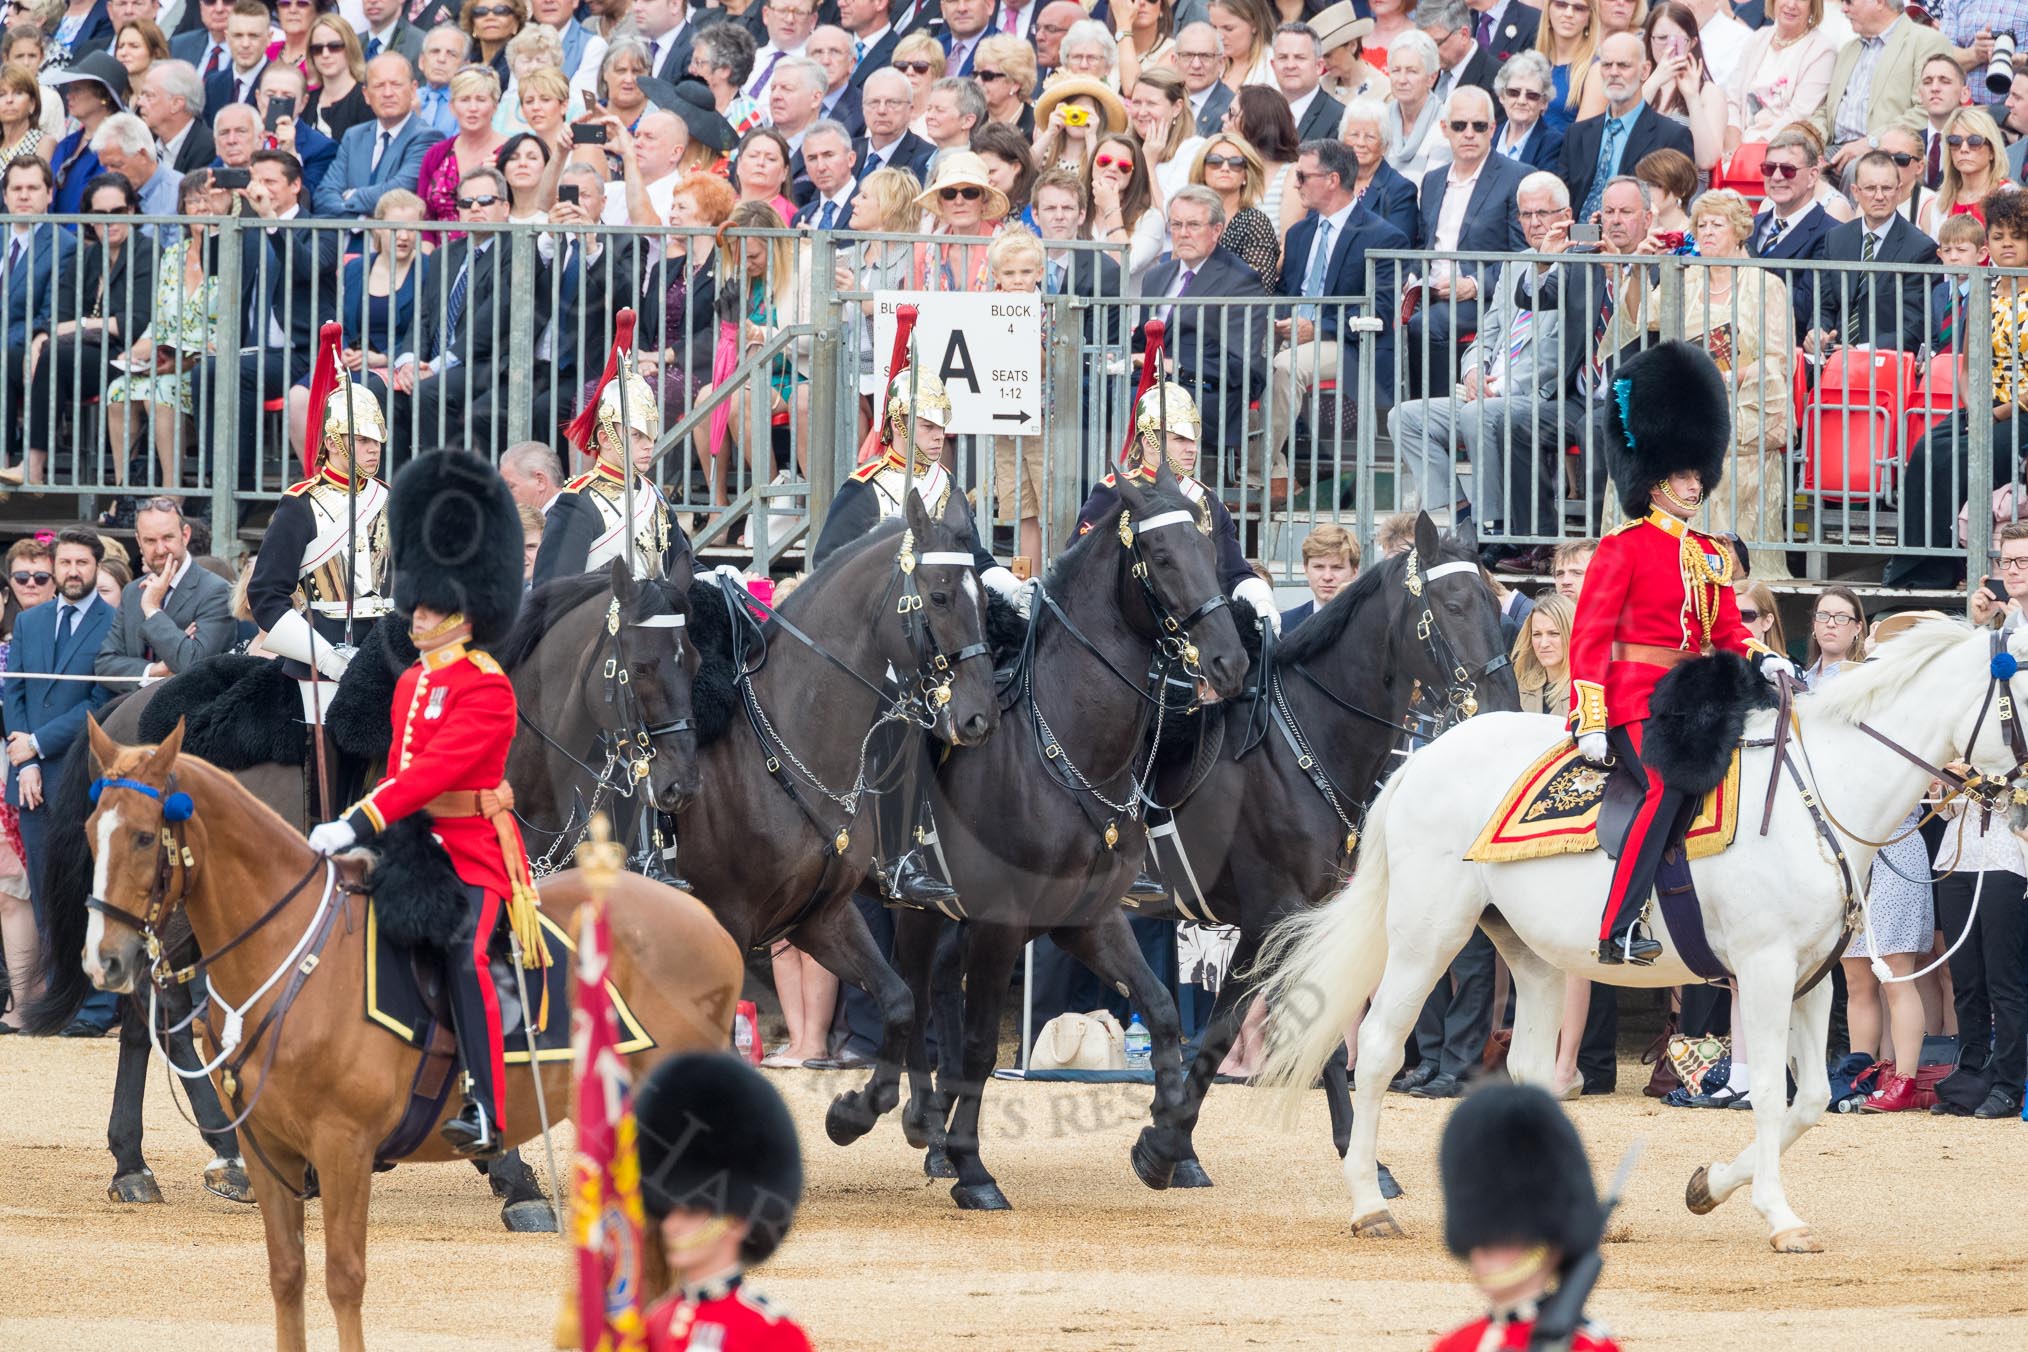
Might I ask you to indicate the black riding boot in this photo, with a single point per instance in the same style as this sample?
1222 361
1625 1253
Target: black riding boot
1148 889
906 870
475 1019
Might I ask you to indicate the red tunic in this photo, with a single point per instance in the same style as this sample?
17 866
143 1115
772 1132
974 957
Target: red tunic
1511 1335
453 722
728 1318
1653 583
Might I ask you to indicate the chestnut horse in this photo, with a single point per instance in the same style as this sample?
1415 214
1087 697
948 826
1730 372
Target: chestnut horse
327 1087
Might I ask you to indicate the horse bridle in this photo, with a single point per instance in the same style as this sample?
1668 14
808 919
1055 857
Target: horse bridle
935 668
1462 694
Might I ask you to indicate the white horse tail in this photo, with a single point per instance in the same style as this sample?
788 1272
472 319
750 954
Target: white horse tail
1321 966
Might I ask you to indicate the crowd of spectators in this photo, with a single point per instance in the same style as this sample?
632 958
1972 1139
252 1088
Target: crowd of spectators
1226 148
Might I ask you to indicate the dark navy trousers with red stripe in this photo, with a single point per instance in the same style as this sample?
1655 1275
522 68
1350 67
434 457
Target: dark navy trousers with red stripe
475 1005
1641 854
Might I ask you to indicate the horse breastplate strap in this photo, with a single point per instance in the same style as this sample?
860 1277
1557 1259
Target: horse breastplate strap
646 543
328 565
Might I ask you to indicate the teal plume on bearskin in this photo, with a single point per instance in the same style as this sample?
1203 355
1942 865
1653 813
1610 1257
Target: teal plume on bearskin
1515 1172
1668 412
456 541
715 1135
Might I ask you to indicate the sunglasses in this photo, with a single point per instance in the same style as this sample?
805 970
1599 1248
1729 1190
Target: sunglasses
1784 171
1302 178
1225 162
1901 158
38 579
988 76
1103 161
482 200
326 48
1526 95
969 193
913 67
1749 614
1474 125
1975 141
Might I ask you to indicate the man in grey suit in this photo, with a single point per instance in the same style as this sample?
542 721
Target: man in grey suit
386 153
1511 367
175 614
1200 59
388 30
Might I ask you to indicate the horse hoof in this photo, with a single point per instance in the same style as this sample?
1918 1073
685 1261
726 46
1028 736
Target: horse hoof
1189 1174
1698 1195
1796 1240
937 1164
1150 1167
846 1121
1389 1189
139 1187
1380 1225
528 1218
227 1179
980 1197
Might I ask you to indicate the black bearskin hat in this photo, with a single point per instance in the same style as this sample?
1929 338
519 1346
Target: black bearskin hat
1514 1172
455 536
715 1135
1668 413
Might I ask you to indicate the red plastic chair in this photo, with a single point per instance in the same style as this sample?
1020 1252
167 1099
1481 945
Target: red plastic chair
1852 424
1933 396
1741 172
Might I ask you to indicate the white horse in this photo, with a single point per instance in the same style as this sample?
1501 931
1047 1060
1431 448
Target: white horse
1774 905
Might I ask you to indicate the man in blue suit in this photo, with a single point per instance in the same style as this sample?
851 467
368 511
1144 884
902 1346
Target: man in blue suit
62 637
382 154
35 261
246 37
1467 206
967 23
205 47
1795 225
1325 255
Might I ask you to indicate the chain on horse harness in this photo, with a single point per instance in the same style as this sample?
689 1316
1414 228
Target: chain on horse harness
1173 653
236 1047
921 704
629 736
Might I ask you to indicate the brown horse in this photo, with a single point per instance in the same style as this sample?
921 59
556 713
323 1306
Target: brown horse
328 1087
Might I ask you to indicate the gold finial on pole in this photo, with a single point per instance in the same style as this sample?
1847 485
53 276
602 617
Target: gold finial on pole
601 857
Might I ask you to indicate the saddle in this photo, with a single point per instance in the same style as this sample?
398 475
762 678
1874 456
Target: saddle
1563 804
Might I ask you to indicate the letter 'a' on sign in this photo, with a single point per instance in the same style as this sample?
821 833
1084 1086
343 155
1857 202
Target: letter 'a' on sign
987 349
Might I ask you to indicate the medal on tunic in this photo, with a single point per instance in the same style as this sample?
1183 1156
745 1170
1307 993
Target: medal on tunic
436 704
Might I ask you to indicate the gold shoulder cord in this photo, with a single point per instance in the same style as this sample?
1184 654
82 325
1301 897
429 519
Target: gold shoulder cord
1701 581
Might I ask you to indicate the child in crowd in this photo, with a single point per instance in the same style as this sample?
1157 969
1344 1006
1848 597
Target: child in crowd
1017 262
1960 246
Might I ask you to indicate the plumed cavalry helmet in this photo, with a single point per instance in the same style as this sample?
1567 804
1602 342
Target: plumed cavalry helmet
644 409
932 401
1514 1172
454 536
714 1135
1669 413
1167 406
353 408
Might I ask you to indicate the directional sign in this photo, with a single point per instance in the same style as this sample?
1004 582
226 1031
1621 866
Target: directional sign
986 347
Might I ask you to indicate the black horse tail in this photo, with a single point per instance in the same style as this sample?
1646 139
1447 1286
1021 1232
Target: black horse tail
66 872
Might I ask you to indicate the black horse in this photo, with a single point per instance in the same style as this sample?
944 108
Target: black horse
1270 827
784 834
556 657
1041 826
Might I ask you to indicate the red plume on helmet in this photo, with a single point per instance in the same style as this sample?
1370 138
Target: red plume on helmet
1151 366
897 362
583 427
323 381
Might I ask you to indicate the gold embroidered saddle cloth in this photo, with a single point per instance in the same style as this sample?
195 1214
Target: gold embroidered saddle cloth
1563 804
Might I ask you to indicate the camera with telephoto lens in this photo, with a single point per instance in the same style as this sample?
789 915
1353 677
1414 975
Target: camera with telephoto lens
2000 70
1076 116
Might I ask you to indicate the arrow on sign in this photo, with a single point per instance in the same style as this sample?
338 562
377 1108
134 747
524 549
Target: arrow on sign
1020 417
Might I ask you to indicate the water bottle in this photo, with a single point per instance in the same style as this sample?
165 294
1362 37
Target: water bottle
1137 1044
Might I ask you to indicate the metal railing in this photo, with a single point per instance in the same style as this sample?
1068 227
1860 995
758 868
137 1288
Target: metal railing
760 347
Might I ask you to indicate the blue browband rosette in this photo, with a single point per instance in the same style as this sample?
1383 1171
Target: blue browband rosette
2004 666
1623 395
176 807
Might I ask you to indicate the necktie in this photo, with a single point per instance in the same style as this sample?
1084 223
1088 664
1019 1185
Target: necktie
1775 225
1182 285
1933 173
380 147
66 625
14 253
1608 161
372 48
211 60
830 214
1054 283
1485 32
753 90
1594 380
454 310
858 51
654 53
1318 270
1868 247
873 162
1012 22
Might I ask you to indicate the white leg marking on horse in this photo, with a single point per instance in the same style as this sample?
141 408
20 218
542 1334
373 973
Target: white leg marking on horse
95 924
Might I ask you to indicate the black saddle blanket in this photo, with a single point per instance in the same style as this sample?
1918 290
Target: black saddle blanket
397 999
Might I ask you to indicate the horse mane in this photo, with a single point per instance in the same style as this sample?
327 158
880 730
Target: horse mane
541 610
1874 686
1326 625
